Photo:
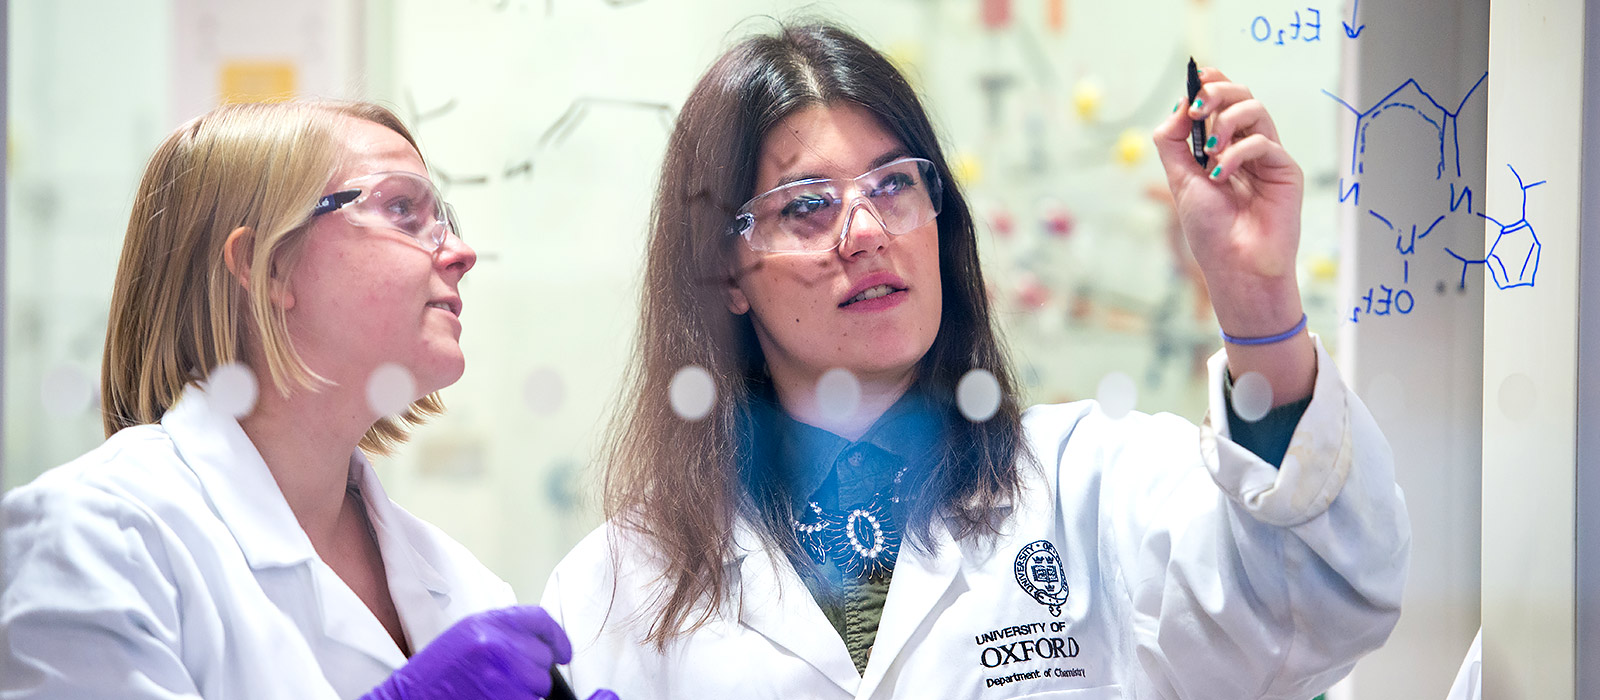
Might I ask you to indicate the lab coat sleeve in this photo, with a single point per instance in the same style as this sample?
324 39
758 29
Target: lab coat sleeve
579 596
1469 680
86 610
603 605
1249 581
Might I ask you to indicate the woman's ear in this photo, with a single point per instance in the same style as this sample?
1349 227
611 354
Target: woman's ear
238 252
738 303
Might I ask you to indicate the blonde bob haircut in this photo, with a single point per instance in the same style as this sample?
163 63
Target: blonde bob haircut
176 311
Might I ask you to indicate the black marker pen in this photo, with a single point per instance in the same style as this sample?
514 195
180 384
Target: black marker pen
559 690
1197 131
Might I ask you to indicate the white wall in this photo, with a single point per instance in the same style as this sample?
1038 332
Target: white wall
1420 373
1531 351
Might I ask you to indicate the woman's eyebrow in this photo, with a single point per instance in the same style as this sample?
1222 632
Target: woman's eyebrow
876 163
890 157
797 177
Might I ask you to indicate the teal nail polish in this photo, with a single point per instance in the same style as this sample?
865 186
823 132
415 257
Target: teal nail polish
1216 172
1198 103
1176 105
1211 143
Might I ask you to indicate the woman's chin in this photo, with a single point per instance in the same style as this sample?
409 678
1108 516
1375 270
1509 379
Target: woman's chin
452 375
440 373
883 368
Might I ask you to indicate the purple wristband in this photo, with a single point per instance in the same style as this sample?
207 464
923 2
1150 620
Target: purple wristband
1266 340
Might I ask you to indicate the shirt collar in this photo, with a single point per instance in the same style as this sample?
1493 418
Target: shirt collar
908 431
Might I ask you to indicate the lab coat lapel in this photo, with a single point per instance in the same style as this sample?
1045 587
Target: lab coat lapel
776 604
246 497
420 593
347 621
920 582
237 483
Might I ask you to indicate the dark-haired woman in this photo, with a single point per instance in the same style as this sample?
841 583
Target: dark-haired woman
881 541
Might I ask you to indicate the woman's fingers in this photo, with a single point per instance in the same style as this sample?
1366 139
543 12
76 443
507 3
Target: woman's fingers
1229 111
1212 75
1215 96
1267 158
1172 145
1237 120
1232 116
1239 133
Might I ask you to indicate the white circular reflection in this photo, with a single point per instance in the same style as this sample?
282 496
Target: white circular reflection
1117 395
1518 397
978 395
390 389
232 389
544 391
838 393
66 391
692 393
1252 396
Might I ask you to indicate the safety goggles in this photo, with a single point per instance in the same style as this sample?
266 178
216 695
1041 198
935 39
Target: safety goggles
401 201
814 215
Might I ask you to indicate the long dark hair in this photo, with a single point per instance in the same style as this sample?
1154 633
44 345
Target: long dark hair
681 484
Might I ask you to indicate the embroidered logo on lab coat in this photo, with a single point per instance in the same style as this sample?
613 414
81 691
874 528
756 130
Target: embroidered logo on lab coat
1041 575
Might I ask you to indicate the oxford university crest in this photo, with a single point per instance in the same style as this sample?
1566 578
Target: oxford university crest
1041 575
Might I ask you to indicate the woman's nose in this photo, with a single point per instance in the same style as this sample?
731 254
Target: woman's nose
455 255
863 231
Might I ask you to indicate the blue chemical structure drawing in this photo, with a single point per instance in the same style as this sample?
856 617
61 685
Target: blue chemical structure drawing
1513 258
1409 96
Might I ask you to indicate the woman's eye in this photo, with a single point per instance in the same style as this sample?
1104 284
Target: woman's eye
893 184
399 208
805 206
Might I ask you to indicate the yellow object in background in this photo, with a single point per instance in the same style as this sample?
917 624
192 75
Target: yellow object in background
1131 146
966 168
905 55
1086 97
1324 268
255 81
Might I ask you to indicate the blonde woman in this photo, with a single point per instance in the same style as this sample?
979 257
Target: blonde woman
213 548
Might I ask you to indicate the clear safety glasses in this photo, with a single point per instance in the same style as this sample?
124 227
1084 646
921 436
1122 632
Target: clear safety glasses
815 215
402 201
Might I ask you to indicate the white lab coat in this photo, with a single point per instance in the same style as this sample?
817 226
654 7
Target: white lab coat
166 563
1193 569
1469 679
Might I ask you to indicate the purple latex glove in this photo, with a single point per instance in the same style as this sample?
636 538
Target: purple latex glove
504 653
